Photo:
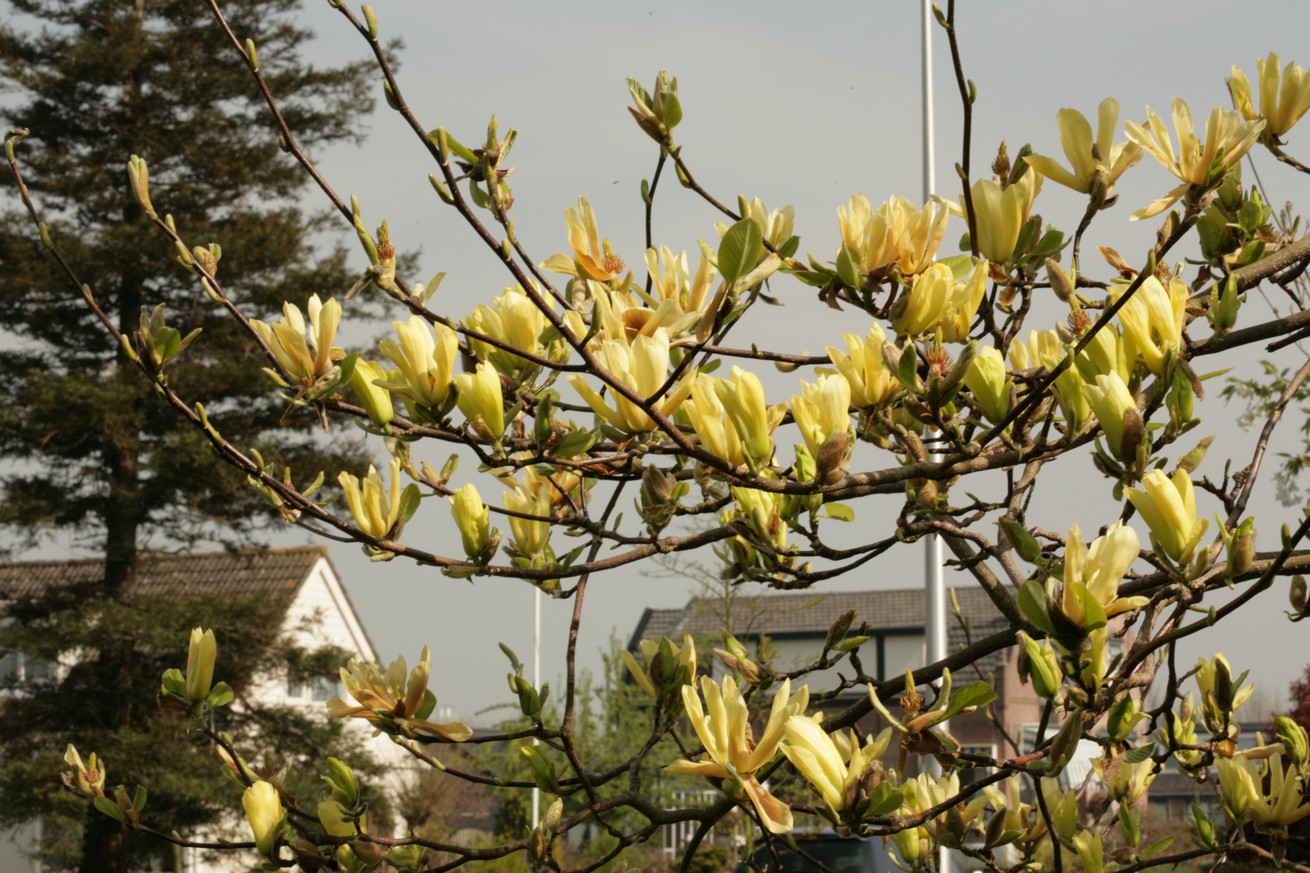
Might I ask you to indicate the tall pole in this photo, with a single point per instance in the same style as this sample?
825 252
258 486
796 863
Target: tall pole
536 682
934 605
934 583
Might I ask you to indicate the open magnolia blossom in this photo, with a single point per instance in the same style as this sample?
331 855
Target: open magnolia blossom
591 258
938 301
865 368
395 702
1100 568
896 236
732 752
307 359
1243 780
424 354
1283 100
1199 164
839 778
1095 164
643 366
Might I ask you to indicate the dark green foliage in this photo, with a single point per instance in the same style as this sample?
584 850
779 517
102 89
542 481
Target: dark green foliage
102 461
92 458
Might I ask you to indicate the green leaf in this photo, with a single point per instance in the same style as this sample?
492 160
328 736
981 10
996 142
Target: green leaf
1023 541
672 110
1157 847
848 267
1139 754
575 443
109 808
409 500
1035 606
977 694
839 512
220 695
740 250
139 798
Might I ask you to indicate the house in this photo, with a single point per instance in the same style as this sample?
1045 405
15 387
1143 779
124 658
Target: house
318 613
796 625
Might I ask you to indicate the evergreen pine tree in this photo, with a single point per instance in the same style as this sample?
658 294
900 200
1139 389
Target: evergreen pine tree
92 459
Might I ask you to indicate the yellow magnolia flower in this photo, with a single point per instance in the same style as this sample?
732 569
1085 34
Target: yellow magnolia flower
742 396
1282 103
1241 783
87 778
814 754
376 400
308 360
643 366
263 808
1110 400
1095 164
376 509
394 702
1221 694
480 399
559 485
512 318
1045 349
1007 798
684 296
1002 212
1169 508
530 535
763 509
425 357
1101 567
1126 782
201 654
472 518
1107 353
1153 321
1227 138
680 667
591 259
936 300
986 381
1090 850
723 726
898 235
927 790
864 368
822 410
716 432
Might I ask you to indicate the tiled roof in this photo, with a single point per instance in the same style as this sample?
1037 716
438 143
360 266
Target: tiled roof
811 614
263 572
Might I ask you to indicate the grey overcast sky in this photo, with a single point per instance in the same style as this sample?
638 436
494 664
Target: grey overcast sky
802 104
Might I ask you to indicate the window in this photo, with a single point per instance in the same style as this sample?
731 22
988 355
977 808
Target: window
970 772
318 688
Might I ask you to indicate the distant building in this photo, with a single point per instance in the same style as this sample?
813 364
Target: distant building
318 614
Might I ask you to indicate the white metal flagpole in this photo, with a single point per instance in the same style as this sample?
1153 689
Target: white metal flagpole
934 594
536 682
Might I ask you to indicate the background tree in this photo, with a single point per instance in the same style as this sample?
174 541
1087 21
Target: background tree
93 460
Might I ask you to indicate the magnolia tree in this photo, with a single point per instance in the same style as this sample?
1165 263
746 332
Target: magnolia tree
588 387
